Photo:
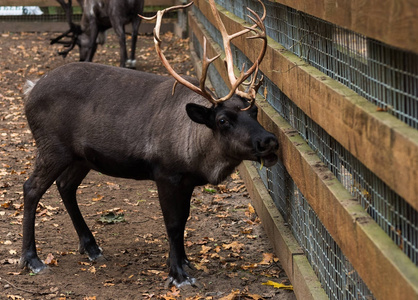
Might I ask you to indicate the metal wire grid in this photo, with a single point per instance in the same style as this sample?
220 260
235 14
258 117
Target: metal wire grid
335 272
57 14
393 214
386 76
50 14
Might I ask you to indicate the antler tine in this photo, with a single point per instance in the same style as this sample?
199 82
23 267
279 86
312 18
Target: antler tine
72 33
205 61
258 23
253 89
58 38
69 46
235 81
205 66
159 16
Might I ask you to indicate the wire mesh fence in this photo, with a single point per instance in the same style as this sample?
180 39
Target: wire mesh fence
386 76
40 14
335 272
57 13
393 214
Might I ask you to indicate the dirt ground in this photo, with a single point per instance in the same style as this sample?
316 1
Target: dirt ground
225 241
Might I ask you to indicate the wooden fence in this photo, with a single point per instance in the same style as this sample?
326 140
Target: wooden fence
381 142
41 26
75 3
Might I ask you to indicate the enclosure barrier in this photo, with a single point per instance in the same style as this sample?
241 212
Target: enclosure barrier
51 16
341 94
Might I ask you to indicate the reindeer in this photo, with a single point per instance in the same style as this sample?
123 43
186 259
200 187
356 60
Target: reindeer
98 16
133 124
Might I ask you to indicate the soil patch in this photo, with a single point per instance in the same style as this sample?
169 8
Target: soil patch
225 241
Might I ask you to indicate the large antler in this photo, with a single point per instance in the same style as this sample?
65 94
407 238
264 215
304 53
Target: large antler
72 33
253 86
227 38
201 90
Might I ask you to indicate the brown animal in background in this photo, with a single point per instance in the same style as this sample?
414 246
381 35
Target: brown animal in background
98 16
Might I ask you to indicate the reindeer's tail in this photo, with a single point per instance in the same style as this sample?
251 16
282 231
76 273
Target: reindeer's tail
29 86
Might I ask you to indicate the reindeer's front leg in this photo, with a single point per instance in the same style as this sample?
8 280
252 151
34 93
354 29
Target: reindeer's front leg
120 31
92 46
174 195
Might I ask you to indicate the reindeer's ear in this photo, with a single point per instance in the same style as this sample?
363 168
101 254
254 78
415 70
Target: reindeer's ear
201 114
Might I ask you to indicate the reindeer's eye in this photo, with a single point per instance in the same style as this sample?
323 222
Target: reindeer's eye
223 122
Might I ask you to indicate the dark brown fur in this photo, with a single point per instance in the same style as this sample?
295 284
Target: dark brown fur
128 124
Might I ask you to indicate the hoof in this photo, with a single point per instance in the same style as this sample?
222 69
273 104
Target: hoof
189 281
94 252
130 64
35 265
96 255
98 259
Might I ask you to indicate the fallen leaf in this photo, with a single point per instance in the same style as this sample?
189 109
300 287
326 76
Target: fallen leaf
246 230
251 266
238 188
267 259
50 260
235 176
111 218
113 186
278 285
222 188
234 246
108 284
209 189
9 261
98 198
205 249
7 204
237 295
201 267
251 209
14 297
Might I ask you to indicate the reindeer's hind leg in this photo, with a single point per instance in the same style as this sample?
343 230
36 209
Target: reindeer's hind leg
67 184
47 169
131 62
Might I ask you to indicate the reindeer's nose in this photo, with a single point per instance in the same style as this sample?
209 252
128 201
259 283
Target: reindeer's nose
268 143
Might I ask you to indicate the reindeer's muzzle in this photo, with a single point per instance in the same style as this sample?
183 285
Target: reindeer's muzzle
266 148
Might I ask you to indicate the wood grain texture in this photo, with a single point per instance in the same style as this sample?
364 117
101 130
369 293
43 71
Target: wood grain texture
394 22
384 144
305 283
372 253
42 3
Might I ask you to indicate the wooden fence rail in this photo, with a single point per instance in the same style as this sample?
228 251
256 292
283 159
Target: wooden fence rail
394 22
39 26
75 3
381 142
